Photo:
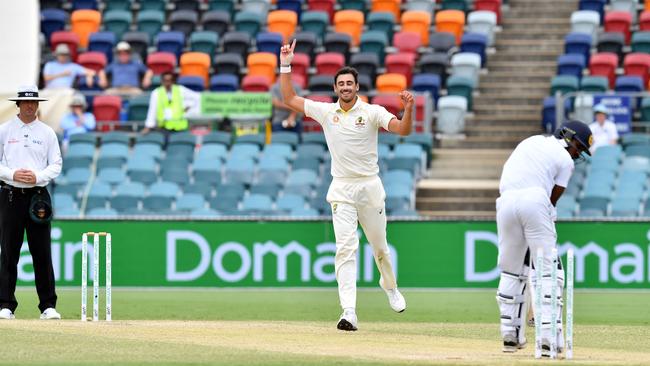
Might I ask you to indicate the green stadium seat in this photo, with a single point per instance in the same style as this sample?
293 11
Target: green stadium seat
158 5
116 5
315 22
641 42
594 84
150 22
117 21
249 22
383 22
204 41
222 5
461 86
454 5
564 84
361 5
374 41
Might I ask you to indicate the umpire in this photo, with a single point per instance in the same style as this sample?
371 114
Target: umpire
29 159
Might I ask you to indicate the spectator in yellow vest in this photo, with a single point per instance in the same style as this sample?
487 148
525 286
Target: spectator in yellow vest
168 104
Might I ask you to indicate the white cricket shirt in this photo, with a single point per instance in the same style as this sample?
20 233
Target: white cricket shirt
31 146
538 161
603 134
351 136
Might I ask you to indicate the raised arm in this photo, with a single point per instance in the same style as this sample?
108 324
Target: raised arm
403 127
289 96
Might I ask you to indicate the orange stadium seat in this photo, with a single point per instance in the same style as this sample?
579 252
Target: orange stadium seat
619 21
160 62
391 83
106 108
407 42
349 22
69 38
638 64
84 22
262 63
647 5
329 63
255 83
451 21
92 60
322 5
401 63
195 63
417 22
283 22
644 20
604 64
391 6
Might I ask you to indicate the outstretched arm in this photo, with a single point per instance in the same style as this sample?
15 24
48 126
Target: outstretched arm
289 96
403 127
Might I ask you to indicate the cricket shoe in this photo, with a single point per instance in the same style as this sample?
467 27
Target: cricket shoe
511 343
348 321
6 314
50 314
396 300
546 348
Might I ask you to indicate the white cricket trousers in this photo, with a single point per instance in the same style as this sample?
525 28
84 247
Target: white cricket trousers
353 201
524 219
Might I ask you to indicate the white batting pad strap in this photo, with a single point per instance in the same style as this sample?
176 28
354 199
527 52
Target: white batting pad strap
511 322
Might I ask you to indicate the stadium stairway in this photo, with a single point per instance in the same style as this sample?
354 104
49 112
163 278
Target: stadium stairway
463 179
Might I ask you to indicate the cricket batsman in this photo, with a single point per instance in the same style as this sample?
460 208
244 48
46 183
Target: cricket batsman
356 194
533 179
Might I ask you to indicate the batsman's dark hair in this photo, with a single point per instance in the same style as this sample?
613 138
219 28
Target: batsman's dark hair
347 70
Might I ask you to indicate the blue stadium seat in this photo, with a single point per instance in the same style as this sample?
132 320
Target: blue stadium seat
63 200
571 64
257 204
172 42
190 202
212 152
80 149
626 83
224 83
100 212
278 150
398 196
99 194
578 43
401 177
52 20
427 83
309 162
273 170
475 43
240 170
289 202
314 138
293 5
218 137
175 171
311 150
301 182
152 137
304 212
244 150
142 169
192 82
111 175
281 137
208 171
625 207
253 138
205 213
147 150
202 188
78 176
265 188
84 4
269 42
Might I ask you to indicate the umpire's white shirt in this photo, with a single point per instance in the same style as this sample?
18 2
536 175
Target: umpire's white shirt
351 136
537 162
31 146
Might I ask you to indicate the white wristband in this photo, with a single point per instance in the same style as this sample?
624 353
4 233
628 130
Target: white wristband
285 69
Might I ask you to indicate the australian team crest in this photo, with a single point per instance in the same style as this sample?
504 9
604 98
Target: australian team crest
360 123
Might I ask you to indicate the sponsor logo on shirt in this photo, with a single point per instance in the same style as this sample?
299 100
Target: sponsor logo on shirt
13 141
359 123
37 142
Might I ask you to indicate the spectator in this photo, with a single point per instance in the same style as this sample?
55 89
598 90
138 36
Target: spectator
604 131
62 72
78 120
168 104
125 73
284 118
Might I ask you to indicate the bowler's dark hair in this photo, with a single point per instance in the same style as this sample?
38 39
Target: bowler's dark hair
347 70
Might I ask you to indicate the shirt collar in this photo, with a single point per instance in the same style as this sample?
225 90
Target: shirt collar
20 124
356 105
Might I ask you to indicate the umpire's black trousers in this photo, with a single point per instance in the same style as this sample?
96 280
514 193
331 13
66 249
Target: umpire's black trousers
14 221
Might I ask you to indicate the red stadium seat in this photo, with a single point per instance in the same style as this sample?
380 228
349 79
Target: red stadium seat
329 63
619 21
489 5
255 83
407 42
644 20
391 102
160 62
299 79
604 64
106 108
69 38
322 5
92 60
308 124
300 65
401 63
638 64
419 112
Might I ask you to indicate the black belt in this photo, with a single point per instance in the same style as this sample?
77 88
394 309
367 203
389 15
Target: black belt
6 186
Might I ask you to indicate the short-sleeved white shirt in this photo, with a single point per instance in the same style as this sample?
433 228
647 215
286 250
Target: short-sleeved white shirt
538 161
351 136
603 134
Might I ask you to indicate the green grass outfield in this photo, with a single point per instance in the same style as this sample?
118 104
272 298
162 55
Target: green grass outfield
297 327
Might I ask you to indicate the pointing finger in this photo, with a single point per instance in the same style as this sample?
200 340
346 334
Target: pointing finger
293 45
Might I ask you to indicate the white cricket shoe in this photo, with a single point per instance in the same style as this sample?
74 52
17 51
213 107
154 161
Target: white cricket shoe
396 300
512 344
348 321
50 314
6 314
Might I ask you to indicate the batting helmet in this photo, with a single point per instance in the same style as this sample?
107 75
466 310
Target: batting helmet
576 130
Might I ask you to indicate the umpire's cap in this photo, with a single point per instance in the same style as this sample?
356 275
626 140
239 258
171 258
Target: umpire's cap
577 130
